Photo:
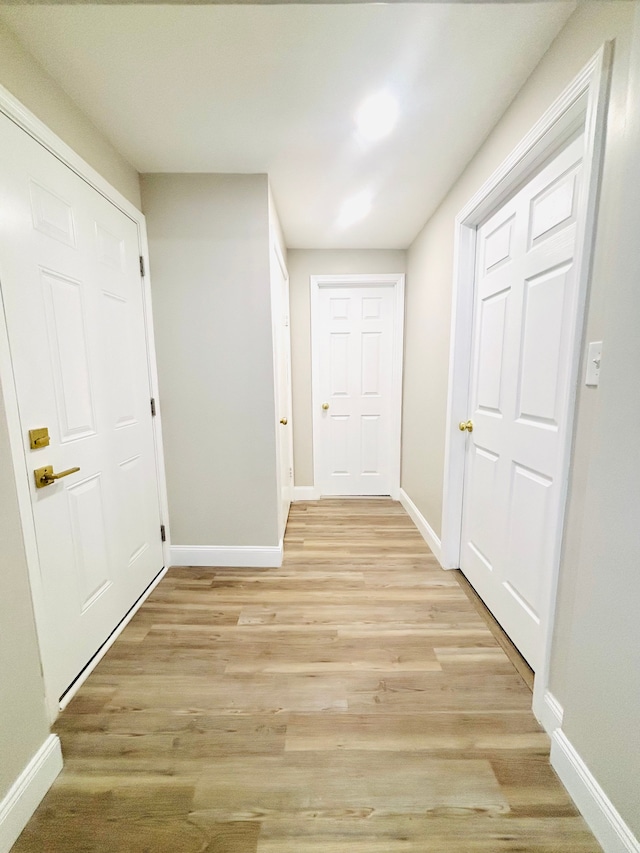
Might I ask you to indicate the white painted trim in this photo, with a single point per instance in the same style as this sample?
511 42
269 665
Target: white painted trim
32 125
95 660
426 531
155 392
305 493
583 105
241 556
277 248
396 280
552 713
278 311
603 818
27 792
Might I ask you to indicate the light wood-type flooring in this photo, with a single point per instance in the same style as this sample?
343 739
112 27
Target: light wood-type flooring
353 701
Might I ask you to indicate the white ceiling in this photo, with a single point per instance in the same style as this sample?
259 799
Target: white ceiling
275 88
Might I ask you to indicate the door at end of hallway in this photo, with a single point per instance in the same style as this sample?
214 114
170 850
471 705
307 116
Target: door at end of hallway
357 327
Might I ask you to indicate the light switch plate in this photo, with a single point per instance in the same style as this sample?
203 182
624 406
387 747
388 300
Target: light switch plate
594 359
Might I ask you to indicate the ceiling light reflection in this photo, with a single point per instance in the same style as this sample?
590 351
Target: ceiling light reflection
377 116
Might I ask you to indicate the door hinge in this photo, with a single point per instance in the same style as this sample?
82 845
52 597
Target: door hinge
153 407
141 266
163 533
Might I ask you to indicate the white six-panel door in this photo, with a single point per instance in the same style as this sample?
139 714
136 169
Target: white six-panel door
73 299
524 298
356 394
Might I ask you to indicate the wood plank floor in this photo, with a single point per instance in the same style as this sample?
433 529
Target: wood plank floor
354 701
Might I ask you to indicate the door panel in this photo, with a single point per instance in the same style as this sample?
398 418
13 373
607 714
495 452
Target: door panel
553 208
339 368
52 215
525 298
340 455
122 390
482 530
89 538
65 317
339 307
73 300
497 245
529 504
542 330
491 331
370 358
370 438
371 308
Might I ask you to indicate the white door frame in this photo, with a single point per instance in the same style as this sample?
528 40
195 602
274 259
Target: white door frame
395 280
21 116
583 105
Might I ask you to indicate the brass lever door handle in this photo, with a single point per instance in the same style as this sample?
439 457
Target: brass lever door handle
465 425
284 421
45 476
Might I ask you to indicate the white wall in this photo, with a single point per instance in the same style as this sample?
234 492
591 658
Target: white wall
209 258
28 81
600 676
303 263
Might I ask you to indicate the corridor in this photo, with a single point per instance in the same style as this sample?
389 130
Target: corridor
353 701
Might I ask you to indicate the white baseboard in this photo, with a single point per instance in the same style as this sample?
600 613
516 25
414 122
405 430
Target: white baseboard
597 809
305 493
247 556
550 713
27 791
427 532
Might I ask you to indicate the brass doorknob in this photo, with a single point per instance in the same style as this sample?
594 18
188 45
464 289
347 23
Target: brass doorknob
284 421
465 425
325 406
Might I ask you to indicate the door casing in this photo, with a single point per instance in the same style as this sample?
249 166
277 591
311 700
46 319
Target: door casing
283 396
395 280
29 123
582 106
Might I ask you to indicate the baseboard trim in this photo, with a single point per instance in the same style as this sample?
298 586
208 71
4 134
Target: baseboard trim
597 809
427 532
551 713
27 792
305 493
247 556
